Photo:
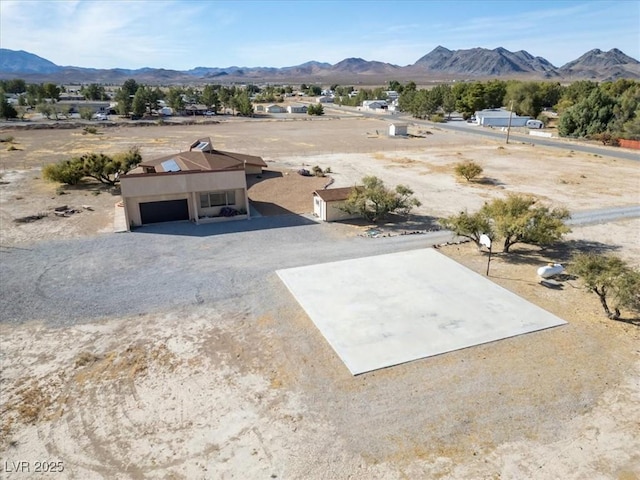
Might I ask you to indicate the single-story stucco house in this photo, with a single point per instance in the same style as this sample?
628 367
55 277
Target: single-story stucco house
326 204
499 117
297 109
273 108
202 185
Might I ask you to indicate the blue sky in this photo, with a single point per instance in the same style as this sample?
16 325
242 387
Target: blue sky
185 34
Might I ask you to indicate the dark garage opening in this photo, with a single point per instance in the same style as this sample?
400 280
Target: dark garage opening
165 211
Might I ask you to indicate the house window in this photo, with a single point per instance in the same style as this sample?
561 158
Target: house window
217 199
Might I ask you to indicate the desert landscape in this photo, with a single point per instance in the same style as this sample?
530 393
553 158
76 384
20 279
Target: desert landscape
153 354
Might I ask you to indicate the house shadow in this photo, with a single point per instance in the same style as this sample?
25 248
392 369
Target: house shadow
278 217
255 178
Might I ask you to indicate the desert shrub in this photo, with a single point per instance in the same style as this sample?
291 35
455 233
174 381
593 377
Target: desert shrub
469 170
327 170
436 118
317 171
86 113
67 171
12 148
91 130
7 139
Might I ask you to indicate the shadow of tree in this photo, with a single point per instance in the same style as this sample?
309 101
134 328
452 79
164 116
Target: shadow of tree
556 253
489 181
399 224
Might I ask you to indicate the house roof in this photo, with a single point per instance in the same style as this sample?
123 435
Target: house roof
334 194
200 157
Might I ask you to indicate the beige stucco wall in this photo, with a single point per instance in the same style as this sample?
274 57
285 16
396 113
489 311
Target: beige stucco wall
138 189
330 212
214 211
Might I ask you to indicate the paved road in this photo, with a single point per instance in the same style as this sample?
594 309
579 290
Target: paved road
463 127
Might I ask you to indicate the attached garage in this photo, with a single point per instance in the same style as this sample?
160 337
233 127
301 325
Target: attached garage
164 211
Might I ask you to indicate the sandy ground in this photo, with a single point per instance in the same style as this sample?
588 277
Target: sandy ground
236 393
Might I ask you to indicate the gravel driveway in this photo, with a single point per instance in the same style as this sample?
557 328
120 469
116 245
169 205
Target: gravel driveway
171 265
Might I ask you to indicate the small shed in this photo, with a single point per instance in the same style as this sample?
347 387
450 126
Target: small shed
398 129
326 204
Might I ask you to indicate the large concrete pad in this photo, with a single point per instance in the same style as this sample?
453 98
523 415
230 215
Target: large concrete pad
389 309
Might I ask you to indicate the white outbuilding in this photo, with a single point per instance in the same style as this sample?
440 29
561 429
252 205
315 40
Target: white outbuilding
398 129
326 204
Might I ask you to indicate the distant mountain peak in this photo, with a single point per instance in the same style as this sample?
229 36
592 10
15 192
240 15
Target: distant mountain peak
440 63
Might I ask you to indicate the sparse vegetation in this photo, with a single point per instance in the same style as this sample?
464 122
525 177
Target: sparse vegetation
615 282
99 166
317 171
66 171
517 219
7 139
469 170
315 109
470 226
374 201
90 130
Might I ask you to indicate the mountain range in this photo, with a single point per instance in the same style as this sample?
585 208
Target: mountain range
439 64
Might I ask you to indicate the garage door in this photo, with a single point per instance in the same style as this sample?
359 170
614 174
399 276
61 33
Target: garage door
166 211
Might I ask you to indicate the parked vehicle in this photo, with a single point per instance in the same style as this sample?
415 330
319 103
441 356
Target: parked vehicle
534 124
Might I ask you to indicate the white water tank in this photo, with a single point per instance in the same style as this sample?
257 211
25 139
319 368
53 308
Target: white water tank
550 270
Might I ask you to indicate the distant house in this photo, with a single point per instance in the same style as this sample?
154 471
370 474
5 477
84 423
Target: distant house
95 106
499 117
258 108
202 185
324 99
398 129
273 108
297 109
375 105
326 204
392 95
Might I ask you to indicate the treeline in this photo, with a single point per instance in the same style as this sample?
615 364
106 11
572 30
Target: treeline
606 111
137 99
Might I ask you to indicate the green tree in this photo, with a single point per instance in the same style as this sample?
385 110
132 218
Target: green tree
526 98
174 99
494 92
139 103
66 171
609 277
51 91
7 110
45 109
86 113
124 96
470 226
469 170
94 91
517 219
15 85
107 169
315 109
374 201
242 104
210 98
471 98
590 116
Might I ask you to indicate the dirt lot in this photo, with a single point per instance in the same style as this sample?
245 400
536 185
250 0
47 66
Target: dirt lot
239 390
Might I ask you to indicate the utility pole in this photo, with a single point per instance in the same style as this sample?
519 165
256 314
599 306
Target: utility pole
509 126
